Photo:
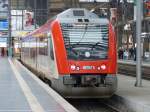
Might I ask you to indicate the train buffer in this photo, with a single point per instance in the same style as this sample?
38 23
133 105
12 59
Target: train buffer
21 91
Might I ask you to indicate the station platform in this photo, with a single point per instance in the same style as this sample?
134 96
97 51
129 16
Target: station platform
22 91
129 98
132 62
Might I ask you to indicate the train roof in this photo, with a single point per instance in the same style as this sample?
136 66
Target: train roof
77 14
72 15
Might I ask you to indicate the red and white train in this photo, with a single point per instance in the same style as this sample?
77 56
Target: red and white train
75 53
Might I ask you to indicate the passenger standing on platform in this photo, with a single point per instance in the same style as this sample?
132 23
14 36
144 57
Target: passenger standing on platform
125 54
135 54
2 51
131 52
120 53
7 51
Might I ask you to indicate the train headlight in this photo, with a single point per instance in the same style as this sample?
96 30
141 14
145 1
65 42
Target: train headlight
73 67
103 67
98 68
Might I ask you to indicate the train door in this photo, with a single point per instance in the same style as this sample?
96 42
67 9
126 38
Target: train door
51 54
37 54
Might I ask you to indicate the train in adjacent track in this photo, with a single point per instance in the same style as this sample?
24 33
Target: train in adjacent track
75 53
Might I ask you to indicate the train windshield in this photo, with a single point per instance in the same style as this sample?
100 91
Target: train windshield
86 41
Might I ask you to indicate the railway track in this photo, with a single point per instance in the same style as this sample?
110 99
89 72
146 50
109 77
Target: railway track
91 105
130 69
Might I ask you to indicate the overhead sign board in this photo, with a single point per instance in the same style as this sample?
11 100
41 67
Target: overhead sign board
3 24
3 42
3 39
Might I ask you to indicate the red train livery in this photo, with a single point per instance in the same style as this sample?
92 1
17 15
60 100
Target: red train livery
75 53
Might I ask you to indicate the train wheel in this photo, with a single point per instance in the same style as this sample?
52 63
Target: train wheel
47 81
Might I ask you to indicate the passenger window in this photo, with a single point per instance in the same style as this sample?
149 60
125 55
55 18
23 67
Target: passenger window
50 50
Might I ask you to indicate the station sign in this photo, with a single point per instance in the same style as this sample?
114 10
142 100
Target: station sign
4 24
3 42
3 39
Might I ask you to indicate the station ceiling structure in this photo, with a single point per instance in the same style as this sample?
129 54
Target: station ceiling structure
52 7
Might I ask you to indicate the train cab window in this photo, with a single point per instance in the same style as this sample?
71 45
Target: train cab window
86 41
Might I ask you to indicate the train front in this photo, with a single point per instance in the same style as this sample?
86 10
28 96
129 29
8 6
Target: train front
85 52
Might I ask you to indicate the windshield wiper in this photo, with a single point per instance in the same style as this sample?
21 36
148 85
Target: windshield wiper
100 45
85 30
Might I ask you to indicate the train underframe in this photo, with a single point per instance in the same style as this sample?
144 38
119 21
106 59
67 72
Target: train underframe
80 85
86 86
